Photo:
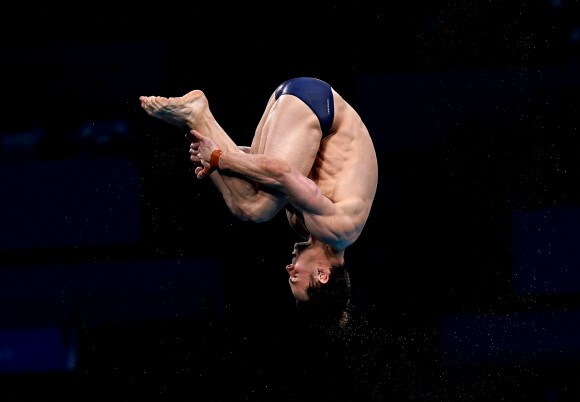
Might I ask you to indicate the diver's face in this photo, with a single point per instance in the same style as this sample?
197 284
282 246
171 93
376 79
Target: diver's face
302 269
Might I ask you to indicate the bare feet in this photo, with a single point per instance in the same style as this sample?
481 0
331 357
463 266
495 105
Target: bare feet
181 112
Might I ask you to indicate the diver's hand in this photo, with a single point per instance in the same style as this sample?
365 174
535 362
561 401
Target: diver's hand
200 150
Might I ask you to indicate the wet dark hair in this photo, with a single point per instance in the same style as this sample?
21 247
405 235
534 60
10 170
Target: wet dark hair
328 302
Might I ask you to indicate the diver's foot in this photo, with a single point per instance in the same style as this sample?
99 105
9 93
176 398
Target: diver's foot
181 112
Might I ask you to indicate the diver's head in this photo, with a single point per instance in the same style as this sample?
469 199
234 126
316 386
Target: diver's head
318 279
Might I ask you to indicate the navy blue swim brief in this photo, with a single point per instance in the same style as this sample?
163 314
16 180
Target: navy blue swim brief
316 94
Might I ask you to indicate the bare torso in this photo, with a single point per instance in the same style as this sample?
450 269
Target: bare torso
343 164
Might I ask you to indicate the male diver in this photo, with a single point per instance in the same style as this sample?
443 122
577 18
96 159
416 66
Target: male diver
311 155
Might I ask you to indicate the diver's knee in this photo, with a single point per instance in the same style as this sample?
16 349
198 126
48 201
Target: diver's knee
255 211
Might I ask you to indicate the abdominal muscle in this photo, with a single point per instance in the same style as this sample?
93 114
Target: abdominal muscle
346 172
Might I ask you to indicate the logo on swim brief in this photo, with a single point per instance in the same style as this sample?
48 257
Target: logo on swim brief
328 106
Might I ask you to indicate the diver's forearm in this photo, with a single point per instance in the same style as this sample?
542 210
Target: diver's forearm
262 169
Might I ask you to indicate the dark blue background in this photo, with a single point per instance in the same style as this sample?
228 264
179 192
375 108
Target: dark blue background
122 277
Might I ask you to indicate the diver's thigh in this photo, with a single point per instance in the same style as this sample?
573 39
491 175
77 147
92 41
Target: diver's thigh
292 133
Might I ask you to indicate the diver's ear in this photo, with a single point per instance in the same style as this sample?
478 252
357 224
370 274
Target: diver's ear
323 275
